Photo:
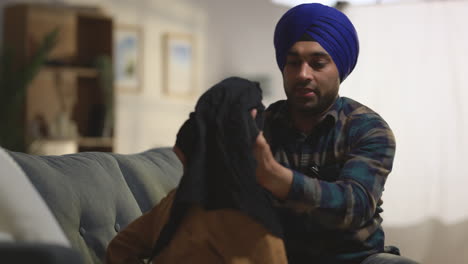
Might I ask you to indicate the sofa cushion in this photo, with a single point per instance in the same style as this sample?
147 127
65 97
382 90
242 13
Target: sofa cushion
93 195
150 175
25 216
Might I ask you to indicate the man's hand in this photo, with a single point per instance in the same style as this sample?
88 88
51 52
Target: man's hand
270 174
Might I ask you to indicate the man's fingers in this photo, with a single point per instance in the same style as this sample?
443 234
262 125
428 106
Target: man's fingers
253 112
261 141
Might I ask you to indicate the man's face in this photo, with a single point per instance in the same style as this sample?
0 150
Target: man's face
310 77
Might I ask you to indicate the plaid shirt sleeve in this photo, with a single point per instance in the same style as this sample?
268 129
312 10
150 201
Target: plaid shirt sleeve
352 200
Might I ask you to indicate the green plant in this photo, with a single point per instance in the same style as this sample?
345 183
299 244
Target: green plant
14 81
104 66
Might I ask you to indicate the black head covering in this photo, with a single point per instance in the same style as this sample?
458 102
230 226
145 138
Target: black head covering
218 141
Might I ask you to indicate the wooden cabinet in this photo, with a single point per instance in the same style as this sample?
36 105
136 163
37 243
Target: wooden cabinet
69 86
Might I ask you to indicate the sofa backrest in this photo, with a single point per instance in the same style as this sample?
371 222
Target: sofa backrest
93 195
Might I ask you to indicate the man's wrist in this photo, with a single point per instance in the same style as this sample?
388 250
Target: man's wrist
296 192
280 180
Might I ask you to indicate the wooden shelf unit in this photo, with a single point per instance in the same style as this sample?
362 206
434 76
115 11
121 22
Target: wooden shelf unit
69 82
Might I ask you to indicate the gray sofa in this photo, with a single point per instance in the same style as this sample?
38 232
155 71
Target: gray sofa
94 195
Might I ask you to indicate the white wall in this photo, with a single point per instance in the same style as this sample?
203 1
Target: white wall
234 38
240 42
152 119
414 74
413 71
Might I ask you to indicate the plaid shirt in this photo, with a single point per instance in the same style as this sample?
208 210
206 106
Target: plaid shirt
332 213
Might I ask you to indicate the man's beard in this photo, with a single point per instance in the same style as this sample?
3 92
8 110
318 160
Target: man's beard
320 107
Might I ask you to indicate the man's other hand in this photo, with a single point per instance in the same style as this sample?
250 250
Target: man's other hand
270 174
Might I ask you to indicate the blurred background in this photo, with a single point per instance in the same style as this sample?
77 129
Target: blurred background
123 75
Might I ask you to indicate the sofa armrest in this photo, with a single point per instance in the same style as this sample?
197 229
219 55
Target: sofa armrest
40 253
125 186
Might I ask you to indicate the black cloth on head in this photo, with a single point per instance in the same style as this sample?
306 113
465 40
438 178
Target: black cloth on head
218 141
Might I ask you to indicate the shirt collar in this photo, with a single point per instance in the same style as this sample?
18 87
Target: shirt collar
334 111
283 115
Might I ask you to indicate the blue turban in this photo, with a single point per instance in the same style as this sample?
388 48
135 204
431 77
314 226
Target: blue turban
326 25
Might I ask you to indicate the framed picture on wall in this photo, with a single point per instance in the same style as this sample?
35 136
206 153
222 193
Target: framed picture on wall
179 75
128 56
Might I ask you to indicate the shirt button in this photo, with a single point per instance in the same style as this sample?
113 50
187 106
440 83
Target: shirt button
314 169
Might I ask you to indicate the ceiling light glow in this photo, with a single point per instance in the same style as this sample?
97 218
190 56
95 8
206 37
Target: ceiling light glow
332 3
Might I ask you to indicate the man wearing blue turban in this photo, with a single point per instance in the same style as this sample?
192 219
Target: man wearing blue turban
325 157
311 190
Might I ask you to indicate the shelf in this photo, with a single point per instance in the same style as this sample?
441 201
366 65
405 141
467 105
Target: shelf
101 142
69 82
53 147
80 71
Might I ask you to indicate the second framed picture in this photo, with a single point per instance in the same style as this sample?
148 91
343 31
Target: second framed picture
179 65
128 56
